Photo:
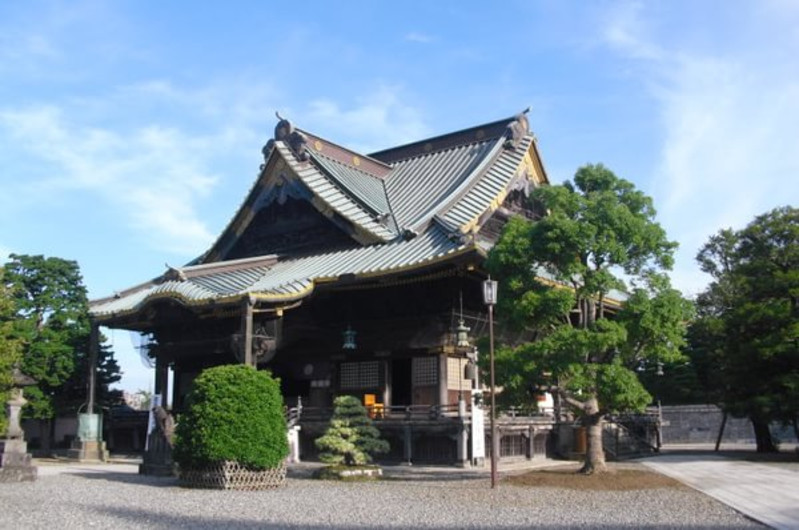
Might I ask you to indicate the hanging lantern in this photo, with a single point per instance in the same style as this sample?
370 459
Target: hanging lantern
470 371
490 291
349 338
463 334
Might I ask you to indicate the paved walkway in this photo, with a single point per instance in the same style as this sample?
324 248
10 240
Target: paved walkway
766 492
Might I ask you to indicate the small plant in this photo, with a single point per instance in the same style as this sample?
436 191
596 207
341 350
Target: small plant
234 414
351 439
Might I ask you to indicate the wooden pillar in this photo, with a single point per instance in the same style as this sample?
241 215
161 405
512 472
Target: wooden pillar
177 406
246 331
387 386
162 380
94 344
408 444
531 442
443 398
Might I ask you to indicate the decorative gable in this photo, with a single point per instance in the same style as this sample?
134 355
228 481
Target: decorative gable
291 227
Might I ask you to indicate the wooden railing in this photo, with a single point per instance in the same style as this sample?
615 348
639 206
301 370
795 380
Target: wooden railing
378 412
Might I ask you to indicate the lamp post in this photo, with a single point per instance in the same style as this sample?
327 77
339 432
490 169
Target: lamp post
490 298
659 431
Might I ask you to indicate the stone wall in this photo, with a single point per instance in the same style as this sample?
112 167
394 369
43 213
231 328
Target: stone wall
690 424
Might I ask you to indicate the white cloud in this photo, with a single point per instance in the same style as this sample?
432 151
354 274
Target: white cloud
382 117
730 151
153 175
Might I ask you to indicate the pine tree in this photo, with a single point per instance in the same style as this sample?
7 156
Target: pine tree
351 439
595 228
51 322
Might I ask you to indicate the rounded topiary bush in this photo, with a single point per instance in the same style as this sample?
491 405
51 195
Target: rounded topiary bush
234 414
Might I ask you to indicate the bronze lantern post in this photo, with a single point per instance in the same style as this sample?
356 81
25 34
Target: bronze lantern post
490 298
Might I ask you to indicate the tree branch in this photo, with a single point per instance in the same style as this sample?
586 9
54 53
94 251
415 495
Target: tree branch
564 394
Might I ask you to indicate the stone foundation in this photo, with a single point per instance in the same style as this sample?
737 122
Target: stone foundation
88 451
15 462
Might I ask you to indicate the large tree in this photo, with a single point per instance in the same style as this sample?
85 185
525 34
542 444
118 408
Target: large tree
748 325
561 281
52 323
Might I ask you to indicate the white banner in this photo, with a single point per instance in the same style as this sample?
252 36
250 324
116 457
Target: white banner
478 427
154 402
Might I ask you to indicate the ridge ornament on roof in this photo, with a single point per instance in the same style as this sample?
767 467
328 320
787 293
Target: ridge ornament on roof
517 129
285 132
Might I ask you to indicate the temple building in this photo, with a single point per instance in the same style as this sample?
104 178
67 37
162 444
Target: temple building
348 273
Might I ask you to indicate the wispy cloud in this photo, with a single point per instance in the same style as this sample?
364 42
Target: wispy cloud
626 29
729 147
383 117
153 175
421 38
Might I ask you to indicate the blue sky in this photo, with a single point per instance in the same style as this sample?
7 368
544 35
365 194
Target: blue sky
130 131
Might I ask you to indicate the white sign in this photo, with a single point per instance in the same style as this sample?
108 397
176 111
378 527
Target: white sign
478 428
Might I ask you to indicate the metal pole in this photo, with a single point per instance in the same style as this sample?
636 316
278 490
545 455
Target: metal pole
94 342
494 445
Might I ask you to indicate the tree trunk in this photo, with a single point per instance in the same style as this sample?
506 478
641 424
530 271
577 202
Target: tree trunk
595 452
765 444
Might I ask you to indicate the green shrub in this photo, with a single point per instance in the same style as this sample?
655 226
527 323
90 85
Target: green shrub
351 438
234 412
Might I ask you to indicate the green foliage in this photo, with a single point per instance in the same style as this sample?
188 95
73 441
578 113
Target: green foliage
235 413
748 325
556 275
560 284
351 439
599 223
52 324
10 351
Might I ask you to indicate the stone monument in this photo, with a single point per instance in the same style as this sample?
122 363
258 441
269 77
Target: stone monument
15 460
157 458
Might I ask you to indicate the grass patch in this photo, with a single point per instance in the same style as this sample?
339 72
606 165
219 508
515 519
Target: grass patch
616 479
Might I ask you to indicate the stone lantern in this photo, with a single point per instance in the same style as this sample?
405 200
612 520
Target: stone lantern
15 461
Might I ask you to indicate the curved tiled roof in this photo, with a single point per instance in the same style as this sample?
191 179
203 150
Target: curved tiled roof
283 280
488 191
333 194
416 185
366 188
438 188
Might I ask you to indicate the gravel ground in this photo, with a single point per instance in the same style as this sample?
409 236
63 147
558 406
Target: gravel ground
116 499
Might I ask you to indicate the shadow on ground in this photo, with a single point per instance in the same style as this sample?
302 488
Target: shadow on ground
128 478
152 519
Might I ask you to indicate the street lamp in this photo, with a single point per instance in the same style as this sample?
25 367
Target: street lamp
490 298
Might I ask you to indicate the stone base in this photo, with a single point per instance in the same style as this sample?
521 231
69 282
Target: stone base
15 462
157 460
158 470
18 474
350 473
88 451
